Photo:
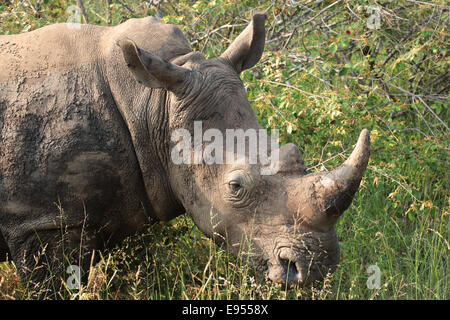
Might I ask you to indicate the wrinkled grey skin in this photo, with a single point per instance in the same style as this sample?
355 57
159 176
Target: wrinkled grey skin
86 118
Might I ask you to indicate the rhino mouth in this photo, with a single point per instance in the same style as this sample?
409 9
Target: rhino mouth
299 266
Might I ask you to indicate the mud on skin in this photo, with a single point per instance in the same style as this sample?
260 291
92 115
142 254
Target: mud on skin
86 120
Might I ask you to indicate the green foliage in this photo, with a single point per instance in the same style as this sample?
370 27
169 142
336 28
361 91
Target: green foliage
323 78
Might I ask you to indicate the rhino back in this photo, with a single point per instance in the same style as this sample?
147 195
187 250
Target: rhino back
62 46
29 57
62 140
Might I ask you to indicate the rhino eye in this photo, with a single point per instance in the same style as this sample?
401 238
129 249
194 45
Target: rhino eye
235 186
239 186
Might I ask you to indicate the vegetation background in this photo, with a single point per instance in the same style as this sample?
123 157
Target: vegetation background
330 69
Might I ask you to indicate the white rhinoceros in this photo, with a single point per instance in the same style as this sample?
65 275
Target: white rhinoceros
86 120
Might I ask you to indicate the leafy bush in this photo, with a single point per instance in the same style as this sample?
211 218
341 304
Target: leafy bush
329 70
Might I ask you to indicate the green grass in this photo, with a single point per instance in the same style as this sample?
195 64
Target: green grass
320 87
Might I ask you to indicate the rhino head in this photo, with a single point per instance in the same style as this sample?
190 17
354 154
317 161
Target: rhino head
282 222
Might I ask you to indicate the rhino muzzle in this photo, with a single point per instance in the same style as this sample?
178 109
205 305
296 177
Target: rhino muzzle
318 199
315 202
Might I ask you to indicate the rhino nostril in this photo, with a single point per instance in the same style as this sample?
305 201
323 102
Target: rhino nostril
291 265
287 269
287 263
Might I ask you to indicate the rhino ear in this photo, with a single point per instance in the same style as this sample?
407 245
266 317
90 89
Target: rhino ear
248 47
149 69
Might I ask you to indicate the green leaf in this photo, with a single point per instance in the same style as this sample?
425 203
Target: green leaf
333 48
343 71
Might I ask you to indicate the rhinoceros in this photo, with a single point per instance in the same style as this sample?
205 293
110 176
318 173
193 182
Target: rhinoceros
86 119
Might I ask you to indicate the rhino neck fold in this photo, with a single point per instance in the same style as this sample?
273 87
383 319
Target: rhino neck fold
144 110
145 115
152 155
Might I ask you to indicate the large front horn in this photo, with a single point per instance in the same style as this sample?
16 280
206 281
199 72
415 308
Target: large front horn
322 197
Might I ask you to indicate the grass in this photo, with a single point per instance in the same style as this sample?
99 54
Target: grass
320 87
175 261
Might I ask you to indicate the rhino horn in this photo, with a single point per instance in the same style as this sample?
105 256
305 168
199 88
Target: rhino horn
329 194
